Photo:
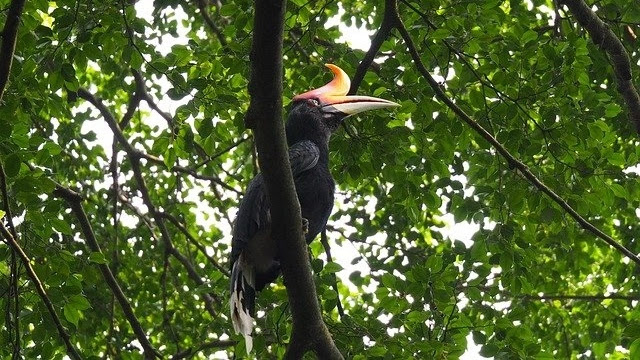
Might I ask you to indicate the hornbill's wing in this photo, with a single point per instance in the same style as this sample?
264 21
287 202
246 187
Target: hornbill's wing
253 214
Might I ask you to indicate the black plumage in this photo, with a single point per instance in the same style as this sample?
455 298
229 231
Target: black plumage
313 117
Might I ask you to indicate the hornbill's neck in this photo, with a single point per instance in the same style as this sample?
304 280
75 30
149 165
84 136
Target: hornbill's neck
307 128
316 114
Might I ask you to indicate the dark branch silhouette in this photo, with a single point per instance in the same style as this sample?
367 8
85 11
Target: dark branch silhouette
607 40
134 158
513 162
9 34
388 23
202 6
13 243
265 117
75 202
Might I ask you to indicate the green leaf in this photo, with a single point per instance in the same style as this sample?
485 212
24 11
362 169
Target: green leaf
388 280
377 351
618 190
479 338
209 145
612 110
632 330
12 165
68 72
528 36
634 350
332 267
53 148
170 157
440 34
71 314
61 226
434 263
616 159
489 350
98 258
79 302
476 98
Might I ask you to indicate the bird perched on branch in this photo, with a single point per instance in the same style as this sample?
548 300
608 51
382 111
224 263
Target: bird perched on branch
314 116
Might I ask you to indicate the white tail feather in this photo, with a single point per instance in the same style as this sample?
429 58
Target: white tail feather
241 276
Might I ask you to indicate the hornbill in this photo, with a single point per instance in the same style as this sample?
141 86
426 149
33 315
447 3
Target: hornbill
313 117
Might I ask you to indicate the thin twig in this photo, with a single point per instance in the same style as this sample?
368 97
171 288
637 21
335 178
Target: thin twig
71 351
513 162
202 6
134 158
223 151
217 344
172 219
75 202
334 284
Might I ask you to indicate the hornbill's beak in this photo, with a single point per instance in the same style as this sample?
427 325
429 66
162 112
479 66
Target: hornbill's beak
333 96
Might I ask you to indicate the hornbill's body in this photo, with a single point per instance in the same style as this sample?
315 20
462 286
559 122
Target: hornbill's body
314 116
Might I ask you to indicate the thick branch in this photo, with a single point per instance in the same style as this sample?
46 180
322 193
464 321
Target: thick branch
109 118
513 161
9 35
75 202
71 351
609 42
265 117
141 91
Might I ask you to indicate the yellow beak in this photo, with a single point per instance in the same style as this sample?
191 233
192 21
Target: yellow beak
334 95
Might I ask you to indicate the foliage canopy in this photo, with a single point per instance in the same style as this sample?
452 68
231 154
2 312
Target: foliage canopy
532 283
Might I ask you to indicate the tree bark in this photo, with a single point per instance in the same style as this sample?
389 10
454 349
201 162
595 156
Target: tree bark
9 35
607 40
265 118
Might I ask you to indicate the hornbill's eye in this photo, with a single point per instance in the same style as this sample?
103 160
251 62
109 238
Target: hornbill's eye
314 102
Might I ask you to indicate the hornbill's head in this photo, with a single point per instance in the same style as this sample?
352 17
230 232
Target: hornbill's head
318 113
